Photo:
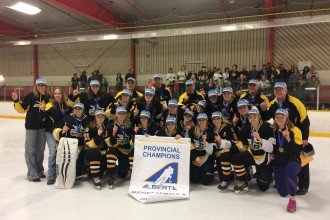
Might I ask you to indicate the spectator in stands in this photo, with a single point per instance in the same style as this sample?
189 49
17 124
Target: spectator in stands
305 72
104 83
225 75
170 79
83 79
313 82
265 86
264 71
277 75
300 89
202 84
268 66
182 76
245 72
209 73
119 82
218 80
194 77
75 79
242 83
189 74
92 77
283 72
253 74
202 72
176 89
293 80
312 73
233 73
290 71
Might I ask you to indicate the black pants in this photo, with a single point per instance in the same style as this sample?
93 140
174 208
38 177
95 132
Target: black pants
96 162
241 161
81 167
224 166
303 177
202 174
114 155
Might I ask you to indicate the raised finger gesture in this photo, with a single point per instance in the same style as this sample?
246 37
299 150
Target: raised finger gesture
14 95
114 130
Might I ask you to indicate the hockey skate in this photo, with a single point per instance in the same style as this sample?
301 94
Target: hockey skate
97 183
223 185
111 181
241 186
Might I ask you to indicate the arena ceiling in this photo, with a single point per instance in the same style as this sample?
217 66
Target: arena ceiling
60 18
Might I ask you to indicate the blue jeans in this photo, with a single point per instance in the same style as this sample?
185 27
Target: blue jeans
51 142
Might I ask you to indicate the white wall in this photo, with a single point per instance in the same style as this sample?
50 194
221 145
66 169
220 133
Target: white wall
320 121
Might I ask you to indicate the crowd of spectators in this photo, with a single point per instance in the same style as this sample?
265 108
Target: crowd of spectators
214 78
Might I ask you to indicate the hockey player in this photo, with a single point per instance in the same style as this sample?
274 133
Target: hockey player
170 129
73 126
256 143
224 135
120 145
228 104
213 102
124 100
96 147
202 155
173 110
151 103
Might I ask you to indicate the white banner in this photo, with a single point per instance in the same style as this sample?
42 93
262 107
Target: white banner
160 169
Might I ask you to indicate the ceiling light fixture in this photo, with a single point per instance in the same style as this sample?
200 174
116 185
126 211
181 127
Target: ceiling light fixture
110 37
25 8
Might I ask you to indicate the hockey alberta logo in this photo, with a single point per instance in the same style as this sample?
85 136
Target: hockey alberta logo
166 175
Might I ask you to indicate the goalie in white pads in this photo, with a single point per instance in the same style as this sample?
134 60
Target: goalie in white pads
72 126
